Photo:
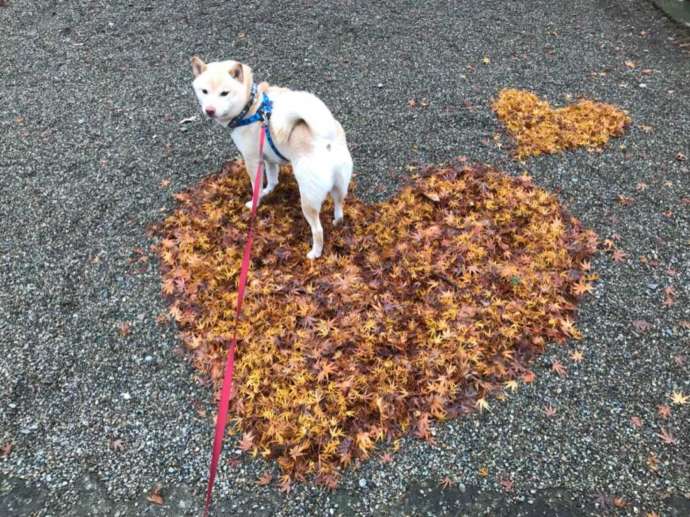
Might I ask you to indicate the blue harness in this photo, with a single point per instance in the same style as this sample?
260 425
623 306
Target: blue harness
263 115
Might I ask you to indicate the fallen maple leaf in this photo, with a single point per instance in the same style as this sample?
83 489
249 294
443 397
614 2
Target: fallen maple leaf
285 484
558 367
484 471
511 385
581 288
506 484
681 157
117 445
680 360
154 496
247 441
630 64
653 463
625 200
619 502
619 255
482 405
678 398
641 325
264 479
550 411
667 437
446 482
636 422
165 183
386 457
663 410
577 356
124 329
528 377
6 450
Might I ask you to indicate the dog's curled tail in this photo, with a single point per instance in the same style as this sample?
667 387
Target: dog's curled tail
307 108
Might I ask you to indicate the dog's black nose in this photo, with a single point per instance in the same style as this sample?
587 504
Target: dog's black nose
210 111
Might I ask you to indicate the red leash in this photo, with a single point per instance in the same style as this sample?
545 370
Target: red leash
226 391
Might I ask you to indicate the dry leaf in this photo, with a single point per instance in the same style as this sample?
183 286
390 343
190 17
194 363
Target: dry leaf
154 496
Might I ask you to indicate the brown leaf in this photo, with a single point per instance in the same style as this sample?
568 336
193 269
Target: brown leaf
123 329
528 377
6 450
653 463
619 255
247 441
663 410
619 502
446 482
117 445
641 325
636 422
625 200
667 437
265 479
386 458
558 367
154 496
550 411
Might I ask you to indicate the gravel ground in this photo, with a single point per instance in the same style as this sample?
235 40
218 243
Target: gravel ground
91 98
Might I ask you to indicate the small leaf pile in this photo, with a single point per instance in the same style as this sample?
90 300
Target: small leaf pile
540 129
419 309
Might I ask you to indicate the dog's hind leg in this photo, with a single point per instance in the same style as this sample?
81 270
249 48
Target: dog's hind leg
314 185
311 214
341 177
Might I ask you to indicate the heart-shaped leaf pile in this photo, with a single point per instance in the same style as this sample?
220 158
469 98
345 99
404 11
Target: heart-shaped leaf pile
540 129
420 307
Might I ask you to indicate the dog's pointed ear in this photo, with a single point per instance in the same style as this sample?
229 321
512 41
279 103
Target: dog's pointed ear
237 72
198 66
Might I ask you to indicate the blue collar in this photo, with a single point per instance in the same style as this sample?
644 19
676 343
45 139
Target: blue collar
263 115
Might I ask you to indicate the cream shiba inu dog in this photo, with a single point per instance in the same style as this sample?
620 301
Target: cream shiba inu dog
300 129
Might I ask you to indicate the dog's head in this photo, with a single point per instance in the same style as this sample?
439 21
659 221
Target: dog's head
223 87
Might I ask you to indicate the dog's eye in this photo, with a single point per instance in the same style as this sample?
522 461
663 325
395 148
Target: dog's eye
204 92
224 94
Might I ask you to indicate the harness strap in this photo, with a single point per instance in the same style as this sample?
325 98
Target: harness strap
272 144
263 115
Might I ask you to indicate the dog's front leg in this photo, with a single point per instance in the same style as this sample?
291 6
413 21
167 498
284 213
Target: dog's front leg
251 166
272 171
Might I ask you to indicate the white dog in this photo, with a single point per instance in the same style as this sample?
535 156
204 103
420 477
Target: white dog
300 129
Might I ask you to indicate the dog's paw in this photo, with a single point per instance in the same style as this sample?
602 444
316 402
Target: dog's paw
248 204
312 255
